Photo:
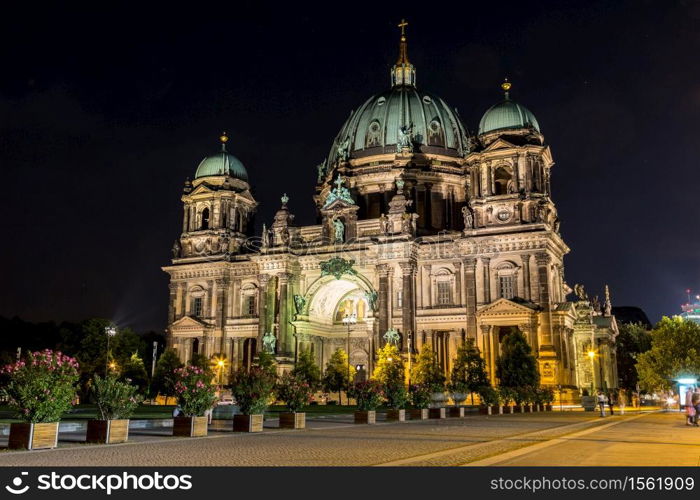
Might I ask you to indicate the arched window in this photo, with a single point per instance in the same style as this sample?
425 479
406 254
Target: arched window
444 284
205 219
503 181
436 136
374 135
507 283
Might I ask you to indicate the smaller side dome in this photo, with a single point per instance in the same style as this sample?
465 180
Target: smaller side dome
222 163
507 115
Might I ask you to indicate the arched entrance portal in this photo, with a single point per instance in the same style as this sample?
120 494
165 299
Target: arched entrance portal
321 329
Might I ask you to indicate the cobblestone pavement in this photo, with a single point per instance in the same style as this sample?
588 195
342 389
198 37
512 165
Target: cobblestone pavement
330 441
659 439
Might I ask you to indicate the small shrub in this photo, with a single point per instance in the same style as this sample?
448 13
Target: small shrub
42 387
488 395
294 391
420 395
195 393
396 395
253 389
114 399
368 394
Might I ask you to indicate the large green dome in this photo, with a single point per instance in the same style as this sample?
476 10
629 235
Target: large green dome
222 163
374 128
507 115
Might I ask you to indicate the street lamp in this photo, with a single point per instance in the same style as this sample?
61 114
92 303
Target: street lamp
349 320
220 363
110 331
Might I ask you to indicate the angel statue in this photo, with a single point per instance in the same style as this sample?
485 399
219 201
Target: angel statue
392 337
265 237
468 218
269 341
405 134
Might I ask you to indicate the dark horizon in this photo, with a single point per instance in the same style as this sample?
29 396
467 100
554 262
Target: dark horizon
105 112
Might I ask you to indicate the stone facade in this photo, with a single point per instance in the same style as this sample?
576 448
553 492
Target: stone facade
438 242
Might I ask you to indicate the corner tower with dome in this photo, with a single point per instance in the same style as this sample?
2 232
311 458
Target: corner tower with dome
425 233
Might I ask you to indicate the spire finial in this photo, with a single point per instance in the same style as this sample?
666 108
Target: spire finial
224 139
506 85
403 72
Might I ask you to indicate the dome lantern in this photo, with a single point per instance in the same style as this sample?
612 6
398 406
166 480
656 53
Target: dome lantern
403 72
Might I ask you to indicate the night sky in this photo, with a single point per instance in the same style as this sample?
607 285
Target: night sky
104 111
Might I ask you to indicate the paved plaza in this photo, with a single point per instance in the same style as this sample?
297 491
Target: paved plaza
568 438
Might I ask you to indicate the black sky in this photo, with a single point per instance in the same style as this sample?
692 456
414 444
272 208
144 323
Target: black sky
105 110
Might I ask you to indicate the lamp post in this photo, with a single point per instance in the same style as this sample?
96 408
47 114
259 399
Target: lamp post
110 331
349 320
410 355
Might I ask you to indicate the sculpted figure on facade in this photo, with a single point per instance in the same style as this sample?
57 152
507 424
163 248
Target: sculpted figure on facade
468 217
338 230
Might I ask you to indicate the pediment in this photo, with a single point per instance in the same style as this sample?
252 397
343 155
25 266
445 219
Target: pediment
339 204
505 307
189 323
499 143
202 188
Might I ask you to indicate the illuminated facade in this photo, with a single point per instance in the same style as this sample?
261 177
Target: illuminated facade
421 229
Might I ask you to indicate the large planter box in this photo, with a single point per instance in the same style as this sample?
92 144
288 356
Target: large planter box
436 413
107 431
518 409
366 417
292 420
28 436
250 423
547 407
589 403
483 410
190 426
418 413
396 415
456 411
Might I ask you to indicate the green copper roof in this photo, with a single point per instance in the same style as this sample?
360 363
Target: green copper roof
222 163
507 115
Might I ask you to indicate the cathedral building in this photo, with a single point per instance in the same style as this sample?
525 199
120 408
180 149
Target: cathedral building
426 236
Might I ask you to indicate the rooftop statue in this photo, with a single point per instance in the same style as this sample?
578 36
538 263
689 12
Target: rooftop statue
339 229
405 138
392 337
340 192
269 341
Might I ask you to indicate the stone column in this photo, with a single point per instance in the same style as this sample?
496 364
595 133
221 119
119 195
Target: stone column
470 295
543 260
221 299
428 205
486 262
527 291
285 337
458 301
383 302
263 280
183 299
408 316
172 288
486 350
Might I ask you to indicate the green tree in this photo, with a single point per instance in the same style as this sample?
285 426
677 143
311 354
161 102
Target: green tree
267 363
632 340
335 378
468 370
427 372
517 367
307 370
675 352
164 377
391 373
135 371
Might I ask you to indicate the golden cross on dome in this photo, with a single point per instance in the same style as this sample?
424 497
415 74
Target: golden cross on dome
403 25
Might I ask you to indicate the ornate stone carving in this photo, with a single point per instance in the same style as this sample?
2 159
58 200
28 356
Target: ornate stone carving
337 266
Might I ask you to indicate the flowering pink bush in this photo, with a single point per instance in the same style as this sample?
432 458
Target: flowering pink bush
42 387
195 392
294 391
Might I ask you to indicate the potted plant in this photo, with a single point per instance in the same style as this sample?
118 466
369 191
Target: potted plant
116 402
587 401
427 372
369 396
489 398
39 389
296 393
196 396
507 396
396 399
547 398
458 392
419 395
252 390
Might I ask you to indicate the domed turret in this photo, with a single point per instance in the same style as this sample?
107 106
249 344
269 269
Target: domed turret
507 115
222 163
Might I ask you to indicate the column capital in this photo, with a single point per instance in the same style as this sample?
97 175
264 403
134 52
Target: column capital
284 278
383 270
469 264
543 258
485 260
408 268
525 257
485 329
263 279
